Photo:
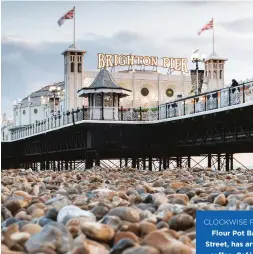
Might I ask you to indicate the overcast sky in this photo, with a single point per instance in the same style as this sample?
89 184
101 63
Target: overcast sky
32 42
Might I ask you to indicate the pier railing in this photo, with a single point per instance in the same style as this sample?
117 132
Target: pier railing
215 100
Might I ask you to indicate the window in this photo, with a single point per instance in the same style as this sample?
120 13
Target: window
220 74
24 112
35 111
169 92
79 67
144 91
72 67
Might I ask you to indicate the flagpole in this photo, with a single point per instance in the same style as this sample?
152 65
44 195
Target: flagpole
74 34
213 35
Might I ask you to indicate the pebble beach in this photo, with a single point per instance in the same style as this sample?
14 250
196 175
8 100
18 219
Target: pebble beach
102 211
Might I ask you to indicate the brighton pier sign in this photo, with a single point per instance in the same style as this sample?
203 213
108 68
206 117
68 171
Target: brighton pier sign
113 60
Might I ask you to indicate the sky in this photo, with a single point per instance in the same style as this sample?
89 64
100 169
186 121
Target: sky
32 42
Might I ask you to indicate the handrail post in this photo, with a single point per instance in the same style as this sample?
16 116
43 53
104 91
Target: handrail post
217 93
184 107
121 113
83 111
194 110
229 96
243 93
73 118
140 114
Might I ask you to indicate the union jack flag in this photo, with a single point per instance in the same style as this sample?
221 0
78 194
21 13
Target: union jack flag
208 26
68 15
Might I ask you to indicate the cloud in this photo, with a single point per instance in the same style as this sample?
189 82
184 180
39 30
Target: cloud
239 26
27 66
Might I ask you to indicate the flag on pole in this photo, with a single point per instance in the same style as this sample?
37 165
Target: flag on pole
208 26
68 15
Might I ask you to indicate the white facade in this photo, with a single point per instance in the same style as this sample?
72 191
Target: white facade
214 72
73 77
149 88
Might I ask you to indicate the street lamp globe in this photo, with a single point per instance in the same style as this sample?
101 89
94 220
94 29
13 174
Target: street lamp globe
195 57
52 88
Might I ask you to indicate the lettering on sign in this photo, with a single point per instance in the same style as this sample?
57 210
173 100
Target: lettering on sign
113 60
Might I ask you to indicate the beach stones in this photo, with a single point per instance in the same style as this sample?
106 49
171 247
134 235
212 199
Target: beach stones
58 202
54 236
70 211
181 222
220 200
126 213
31 228
122 245
114 210
97 231
112 221
141 250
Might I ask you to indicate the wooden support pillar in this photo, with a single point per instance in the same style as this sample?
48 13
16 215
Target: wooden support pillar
144 163
160 164
209 160
54 166
58 165
42 166
218 160
227 161
66 165
70 165
47 165
89 157
126 162
133 162
62 165
138 163
178 162
120 162
97 159
150 164
231 161
164 163
189 161
168 162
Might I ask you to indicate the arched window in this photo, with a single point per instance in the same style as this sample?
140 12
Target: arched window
72 67
79 67
215 74
220 74
35 111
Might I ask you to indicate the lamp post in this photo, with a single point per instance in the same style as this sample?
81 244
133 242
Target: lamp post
29 109
55 90
196 58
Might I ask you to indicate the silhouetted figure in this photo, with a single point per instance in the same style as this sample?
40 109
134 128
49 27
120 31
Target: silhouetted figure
234 84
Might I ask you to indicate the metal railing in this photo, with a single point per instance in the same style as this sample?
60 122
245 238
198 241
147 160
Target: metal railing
227 97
